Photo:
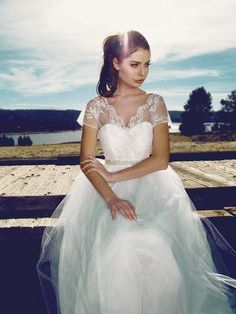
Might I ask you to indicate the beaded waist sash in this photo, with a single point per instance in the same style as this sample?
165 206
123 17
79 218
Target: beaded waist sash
120 162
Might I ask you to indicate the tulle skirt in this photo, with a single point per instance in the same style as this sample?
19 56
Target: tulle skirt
168 261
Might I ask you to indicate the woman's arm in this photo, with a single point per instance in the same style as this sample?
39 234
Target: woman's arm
114 203
88 147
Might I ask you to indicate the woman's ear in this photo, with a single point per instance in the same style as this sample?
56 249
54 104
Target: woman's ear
116 64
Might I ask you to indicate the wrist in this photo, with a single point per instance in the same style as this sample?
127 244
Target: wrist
110 198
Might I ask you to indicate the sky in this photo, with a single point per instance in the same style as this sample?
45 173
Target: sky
51 50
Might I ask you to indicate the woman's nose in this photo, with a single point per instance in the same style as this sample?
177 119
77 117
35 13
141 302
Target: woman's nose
141 70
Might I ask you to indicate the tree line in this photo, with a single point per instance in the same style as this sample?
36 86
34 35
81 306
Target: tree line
198 110
21 141
37 120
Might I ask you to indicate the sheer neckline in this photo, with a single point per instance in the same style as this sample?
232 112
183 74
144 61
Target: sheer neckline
136 112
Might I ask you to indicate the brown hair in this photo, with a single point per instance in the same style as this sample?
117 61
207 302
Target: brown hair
118 46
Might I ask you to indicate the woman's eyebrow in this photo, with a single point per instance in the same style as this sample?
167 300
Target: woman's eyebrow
139 61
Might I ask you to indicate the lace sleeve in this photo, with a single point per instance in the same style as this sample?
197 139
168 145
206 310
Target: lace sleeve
89 115
159 112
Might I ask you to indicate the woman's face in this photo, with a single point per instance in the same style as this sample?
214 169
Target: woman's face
134 69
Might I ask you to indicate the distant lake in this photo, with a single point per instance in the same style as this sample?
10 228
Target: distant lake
50 137
62 136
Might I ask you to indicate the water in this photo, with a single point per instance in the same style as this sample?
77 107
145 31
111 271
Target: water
174 127
50 137
63 136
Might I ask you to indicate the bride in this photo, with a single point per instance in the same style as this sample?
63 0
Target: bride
127 238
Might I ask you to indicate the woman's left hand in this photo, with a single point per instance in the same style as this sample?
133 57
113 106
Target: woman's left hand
90 164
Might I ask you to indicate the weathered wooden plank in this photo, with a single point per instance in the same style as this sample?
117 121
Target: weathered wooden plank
38 180
213 213
190 176
209 178
6 171
217 167
69 179
56 183
47 178
231 210
35 185
13 180
187 180
213 169
28 222
227 169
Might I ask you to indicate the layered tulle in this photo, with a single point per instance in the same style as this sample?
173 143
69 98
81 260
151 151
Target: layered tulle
168 261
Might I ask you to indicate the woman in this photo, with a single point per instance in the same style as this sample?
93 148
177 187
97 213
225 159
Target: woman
128 239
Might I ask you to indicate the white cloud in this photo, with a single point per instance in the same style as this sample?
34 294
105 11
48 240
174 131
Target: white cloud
64 38
180 74
33 77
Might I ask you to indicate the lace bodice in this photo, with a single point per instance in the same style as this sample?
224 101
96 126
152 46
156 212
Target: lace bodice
99 112
125 142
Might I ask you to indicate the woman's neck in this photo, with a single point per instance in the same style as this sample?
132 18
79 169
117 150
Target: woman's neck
123 91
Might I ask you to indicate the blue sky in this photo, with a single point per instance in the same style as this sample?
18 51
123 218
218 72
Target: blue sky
50 51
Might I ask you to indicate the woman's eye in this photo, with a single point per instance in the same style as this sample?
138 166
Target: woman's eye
136 65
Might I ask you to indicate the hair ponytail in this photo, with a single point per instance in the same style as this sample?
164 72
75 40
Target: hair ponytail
117 46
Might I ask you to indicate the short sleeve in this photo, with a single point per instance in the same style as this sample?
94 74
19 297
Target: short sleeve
159 112
89 115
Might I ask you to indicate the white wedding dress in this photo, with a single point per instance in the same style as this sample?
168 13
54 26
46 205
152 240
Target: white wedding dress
166 262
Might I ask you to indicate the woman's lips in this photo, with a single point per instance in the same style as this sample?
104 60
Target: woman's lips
139 81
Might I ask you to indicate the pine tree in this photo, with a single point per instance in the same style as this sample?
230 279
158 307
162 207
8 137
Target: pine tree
196 112
229 107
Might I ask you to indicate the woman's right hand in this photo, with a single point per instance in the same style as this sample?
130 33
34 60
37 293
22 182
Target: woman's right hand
122 206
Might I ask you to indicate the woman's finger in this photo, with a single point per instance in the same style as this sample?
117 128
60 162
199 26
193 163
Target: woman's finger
125 213
88 164
124 208
85 165
130 210
113 214
90 170
130 213
133 214
86 161
88 167
131 206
